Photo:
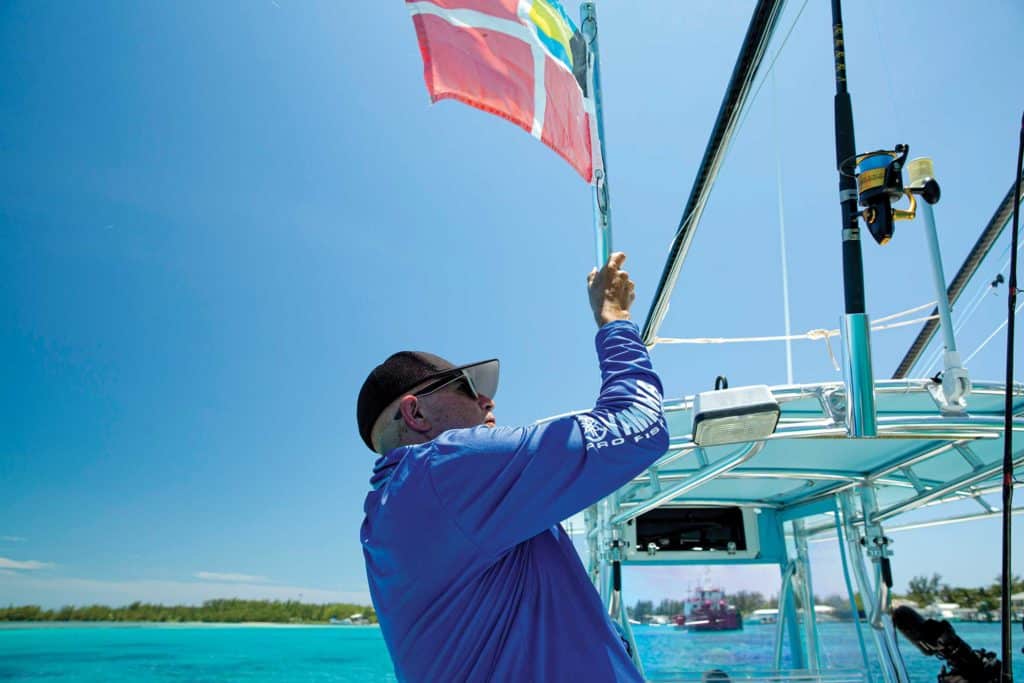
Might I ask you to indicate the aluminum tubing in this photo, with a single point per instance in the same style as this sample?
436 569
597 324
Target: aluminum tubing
861 418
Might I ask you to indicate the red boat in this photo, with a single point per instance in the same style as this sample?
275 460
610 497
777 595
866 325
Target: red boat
708 610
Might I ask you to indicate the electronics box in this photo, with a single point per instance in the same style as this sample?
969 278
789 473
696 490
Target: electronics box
693 534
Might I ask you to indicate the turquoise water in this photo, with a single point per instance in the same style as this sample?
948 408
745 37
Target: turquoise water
358 654
191 653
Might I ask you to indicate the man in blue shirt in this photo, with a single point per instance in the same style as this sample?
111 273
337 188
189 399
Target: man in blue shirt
472 576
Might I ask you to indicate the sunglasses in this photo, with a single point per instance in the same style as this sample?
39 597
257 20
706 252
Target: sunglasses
477 379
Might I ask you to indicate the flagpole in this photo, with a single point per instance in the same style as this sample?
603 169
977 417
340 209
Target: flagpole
602 202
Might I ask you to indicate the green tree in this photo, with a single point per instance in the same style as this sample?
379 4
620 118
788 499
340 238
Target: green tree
643 610
748 601
923 590
669 607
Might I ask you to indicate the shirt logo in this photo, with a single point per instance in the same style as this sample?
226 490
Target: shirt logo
637 422
593 430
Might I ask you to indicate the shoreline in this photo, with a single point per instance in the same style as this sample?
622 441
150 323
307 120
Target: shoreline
13 625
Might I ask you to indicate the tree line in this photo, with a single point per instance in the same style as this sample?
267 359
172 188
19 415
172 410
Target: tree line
744 601
231 611
923 590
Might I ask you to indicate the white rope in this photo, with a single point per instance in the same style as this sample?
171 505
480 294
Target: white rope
812 335
922 307
904 323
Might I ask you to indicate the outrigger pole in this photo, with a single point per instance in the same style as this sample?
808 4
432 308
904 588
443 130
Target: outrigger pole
602 202
755 43
968 268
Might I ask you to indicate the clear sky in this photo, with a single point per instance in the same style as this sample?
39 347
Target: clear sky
215 218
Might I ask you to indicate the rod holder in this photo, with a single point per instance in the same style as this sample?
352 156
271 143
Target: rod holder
861 419
956 383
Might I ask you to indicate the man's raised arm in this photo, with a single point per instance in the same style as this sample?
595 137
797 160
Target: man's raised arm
504 485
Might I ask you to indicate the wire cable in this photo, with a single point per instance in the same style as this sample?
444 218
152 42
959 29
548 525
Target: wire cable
935 357
782 234
748 105
989 338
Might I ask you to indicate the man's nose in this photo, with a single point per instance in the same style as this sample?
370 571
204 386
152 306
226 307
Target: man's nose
486 402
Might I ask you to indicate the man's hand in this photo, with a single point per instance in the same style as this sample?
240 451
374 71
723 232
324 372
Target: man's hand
611 291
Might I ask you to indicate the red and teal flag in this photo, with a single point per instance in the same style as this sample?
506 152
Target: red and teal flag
523 60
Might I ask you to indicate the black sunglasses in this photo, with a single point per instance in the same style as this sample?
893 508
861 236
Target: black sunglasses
466 386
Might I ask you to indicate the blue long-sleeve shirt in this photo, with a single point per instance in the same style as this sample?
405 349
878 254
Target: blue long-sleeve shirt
471 574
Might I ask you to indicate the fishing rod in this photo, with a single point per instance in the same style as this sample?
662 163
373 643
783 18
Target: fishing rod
1005 613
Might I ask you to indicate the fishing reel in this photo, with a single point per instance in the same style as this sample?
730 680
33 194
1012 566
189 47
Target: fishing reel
880 185
936 638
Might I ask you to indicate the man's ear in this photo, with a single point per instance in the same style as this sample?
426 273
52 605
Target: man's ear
411 415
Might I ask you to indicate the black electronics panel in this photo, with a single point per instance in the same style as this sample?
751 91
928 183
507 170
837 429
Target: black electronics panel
692 529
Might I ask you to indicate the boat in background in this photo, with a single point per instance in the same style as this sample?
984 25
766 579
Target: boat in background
707 609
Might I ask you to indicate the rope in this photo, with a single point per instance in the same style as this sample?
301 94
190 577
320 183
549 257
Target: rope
904 323
814 334
922 307
819 334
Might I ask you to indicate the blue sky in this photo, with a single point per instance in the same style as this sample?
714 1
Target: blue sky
215 218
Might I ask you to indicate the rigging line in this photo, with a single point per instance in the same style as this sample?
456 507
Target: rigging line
996 331
755 43
748 105
972 307
983 289
968 269
782 236
935 357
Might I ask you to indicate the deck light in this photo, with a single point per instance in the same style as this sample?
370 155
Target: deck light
734 415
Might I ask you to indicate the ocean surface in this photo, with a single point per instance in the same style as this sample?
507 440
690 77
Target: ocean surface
357 654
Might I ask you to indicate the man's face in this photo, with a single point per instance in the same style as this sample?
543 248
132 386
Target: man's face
436 406
455 407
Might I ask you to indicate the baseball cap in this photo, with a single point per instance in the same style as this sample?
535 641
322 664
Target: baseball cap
403 371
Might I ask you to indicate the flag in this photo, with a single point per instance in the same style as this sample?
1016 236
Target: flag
523 60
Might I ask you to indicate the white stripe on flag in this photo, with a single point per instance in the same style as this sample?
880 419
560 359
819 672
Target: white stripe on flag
590 107
540 96
467 18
